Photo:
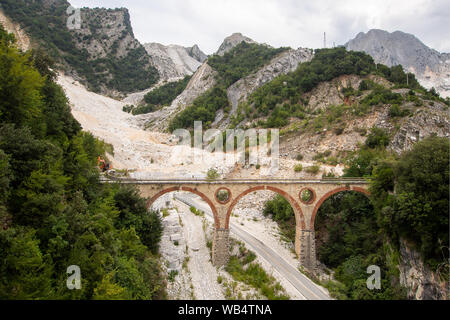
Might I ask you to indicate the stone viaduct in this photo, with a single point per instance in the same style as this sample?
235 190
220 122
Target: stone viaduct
293 191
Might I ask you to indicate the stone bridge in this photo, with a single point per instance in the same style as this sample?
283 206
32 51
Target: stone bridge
305 197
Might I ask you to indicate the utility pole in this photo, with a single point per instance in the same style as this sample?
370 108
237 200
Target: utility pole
324 39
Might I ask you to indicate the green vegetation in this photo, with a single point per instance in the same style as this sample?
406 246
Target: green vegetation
47 25
348 241
298 167
53 211
418 210
197 212
281 212
377 138
164 95
239 62
285 92
409 201
203 109
212 174
284 97
242 268
381 95
314 169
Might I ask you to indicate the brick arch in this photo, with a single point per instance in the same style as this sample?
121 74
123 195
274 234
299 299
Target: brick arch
202 195
299 218
329 194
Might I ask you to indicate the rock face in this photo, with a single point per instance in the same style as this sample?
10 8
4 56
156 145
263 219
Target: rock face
23 41
431 68
196 53
232 41
330 92
420 281
174 61
285 62
113 26
433 120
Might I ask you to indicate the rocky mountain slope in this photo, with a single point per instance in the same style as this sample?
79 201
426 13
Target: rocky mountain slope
286 62
431 68
23 41
174 61
202 80
102 52
232 41
206 77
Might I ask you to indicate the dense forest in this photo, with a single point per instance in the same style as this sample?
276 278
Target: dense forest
235 64
46 23
54 213
409 200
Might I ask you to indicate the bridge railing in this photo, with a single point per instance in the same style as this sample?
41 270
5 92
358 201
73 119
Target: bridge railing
339 180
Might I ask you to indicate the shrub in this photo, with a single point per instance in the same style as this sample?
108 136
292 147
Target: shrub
396 111
299 157
338 131
212 174
313 169
298 167
128 108
377 138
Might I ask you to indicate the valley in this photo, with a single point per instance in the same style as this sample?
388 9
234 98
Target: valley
375 109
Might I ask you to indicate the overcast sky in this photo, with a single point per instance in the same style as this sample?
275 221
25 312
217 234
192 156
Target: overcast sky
292 23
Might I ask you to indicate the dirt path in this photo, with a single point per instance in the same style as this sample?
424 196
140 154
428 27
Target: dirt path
203 274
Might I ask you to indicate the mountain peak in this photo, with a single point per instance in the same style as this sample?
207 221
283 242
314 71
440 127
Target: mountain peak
399 48
231 41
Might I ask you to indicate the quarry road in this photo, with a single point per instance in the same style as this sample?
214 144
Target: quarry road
306 287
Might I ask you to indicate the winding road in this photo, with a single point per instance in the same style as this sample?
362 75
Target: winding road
305 286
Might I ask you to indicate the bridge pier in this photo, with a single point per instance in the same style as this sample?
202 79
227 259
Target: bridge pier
221 247
307 249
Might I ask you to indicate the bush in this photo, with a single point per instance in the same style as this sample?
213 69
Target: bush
313 169
212 174
396 111
299 157
377 138
298 167
128 108
144 109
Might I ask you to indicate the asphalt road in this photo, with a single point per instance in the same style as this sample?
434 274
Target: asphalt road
307 288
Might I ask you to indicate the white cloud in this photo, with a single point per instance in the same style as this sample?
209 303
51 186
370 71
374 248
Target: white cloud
281 22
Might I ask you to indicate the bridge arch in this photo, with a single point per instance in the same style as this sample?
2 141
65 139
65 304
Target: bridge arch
299 217
329 194
187 189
